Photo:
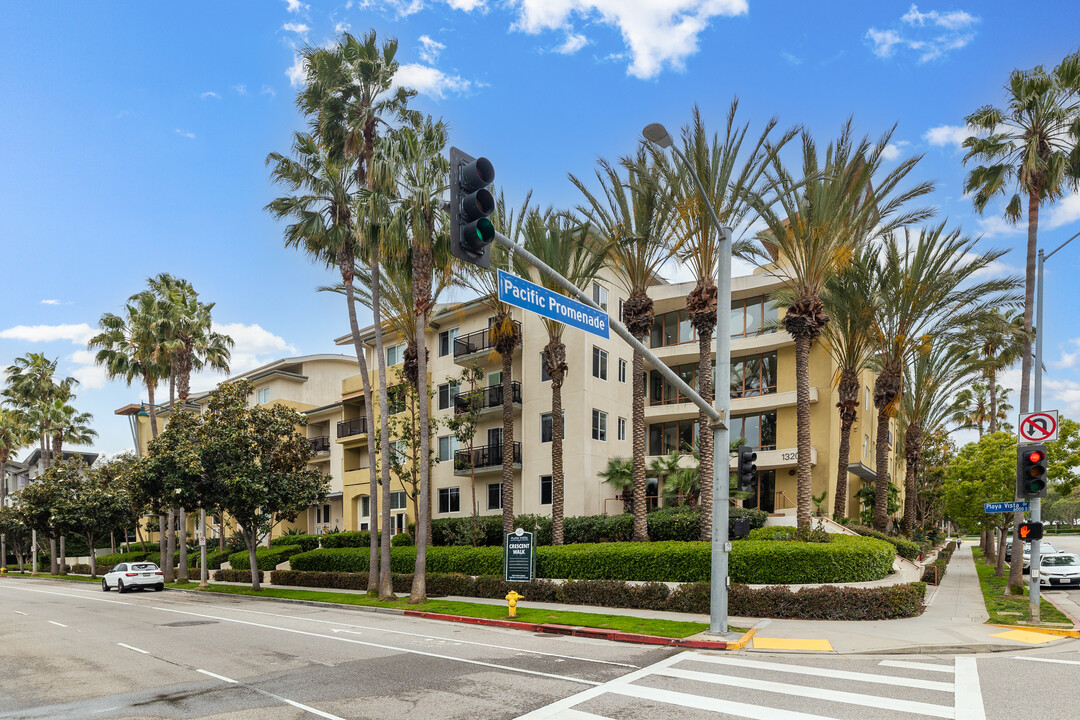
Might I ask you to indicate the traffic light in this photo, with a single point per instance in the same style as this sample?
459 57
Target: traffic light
471 232
1031 472
1030 531
746 468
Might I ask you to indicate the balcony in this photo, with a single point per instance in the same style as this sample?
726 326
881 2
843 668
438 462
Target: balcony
468 347
484 459
348 428
320 444
486 398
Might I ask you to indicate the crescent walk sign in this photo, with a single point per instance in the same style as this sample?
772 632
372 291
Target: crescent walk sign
1038 427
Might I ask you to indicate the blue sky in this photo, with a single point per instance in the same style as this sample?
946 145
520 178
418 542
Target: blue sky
134 134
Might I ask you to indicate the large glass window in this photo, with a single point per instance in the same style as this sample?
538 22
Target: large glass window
397 500
448 445
449 500
599 425
447 391
600 295
753 375
495 496
675 436
672 328
749 316
545 489
757 430
662 392
446 341
599 363
546 427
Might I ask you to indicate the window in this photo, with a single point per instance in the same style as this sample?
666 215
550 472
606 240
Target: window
599 295
599 363
449 500
322 514
749 316
622 428
395 354
545 489
622 370
672 328
762 491
397 524
866 407
397 500
397 451
757 430
662 392
395 397
447 391
447 447
544 377
599 425
262 396
365 506
620 309
547 429
675 436
866 445
446 341
753 375
494 496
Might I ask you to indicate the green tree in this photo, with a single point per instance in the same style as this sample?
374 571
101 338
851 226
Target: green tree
255 460
14 434
816 220
1027 151
16 535
88 506
619 474
463 422
1063 457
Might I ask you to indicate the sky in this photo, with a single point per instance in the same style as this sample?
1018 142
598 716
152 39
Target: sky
134 136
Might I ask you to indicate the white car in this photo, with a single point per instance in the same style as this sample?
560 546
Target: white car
1059 570
1045 548
127 576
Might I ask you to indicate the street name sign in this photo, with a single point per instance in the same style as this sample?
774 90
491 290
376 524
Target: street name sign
1039 427
519 557
1006 507
538 299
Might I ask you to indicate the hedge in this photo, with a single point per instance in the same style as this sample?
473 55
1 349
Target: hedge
267 558
308 542
822 603
904 548
941 562
116 559
844 559
84 569
773 532
242 576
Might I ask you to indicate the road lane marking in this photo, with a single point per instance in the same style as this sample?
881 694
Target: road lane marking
392 648
58 624
18 613
219 677
908 665
132 647
968 699
302 706
12 586
825 672
729 707
1049 660
580 715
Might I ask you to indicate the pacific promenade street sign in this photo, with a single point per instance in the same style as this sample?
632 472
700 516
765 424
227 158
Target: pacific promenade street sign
1006 507
1039 427
538 299
519 557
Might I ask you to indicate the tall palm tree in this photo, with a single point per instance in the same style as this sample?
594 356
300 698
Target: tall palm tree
920 287
32 389
999 340
634 216
728 176
1028 148
972 410
577 255
15 433
816 221
73 428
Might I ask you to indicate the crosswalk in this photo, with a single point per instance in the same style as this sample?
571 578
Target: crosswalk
703 685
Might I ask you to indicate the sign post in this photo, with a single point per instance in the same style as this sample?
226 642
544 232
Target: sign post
519 557
1006 507
1037 427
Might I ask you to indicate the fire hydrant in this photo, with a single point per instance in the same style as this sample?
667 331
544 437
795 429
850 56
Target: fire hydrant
512 600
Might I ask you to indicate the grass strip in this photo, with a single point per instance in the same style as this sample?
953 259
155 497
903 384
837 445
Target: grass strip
623 623
1010 609
86 578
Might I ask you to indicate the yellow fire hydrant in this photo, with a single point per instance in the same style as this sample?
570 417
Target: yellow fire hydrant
512 600
3 571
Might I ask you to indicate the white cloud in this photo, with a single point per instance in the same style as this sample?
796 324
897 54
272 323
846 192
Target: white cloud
930 35
572 44
185 133
429 52
298 28
430 81
50 302
953 20
295 6
1064 395
943 135
240 89
254 346
297 73
883 41
341 27
87 371
1068 359
893 151
1064 212
79 334
791 59
466 5
997 226
210 94
267 90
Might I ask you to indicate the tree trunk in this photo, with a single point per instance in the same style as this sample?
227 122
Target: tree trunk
252 539
802 429
557 371
112 542
848 389
183 546
1018 560
1029 301
991 546
63 556
640 504
508 441
983 542
706 471
152 410
419 584
913 456
162 520
167 563
382 582
172 385
1016 566
52 556
887 388
992 378
93 557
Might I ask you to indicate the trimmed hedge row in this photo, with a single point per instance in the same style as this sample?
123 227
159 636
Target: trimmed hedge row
824 603
308 542
266 558
243 576
941 562
84 569
773 532
844 559
904 548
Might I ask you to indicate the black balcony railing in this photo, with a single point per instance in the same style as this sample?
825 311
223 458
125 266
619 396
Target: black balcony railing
348 428
320 444
475 342
484 457
486 397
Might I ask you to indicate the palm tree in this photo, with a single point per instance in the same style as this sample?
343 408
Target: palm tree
728 180
577 255
999 340
634 216
815 225
1029 149
972 408
619 474
921 287
15 433
73 428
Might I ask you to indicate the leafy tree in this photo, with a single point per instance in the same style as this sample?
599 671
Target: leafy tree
15 433
36 504
255 460
89 506
1063 458
938 451
16 535
463 422
405 460
619 474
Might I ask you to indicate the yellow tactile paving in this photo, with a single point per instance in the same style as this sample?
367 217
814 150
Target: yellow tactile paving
1027 636
762 643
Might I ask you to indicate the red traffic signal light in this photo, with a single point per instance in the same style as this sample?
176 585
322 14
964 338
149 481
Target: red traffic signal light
1030 530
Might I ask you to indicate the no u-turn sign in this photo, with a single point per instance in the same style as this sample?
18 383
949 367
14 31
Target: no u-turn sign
1039 427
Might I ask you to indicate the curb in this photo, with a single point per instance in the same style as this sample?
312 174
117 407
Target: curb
1045 631
293 601
741 642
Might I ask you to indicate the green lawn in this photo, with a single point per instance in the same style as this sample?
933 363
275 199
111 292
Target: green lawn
645 626
993 589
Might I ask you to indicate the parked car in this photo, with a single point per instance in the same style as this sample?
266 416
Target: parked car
1045 548
1060 569
128 576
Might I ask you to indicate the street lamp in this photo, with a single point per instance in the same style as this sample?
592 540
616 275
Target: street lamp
658 135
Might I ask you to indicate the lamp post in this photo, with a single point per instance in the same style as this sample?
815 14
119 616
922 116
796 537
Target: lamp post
1036 504
656 134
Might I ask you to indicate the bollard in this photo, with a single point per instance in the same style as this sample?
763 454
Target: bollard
512 600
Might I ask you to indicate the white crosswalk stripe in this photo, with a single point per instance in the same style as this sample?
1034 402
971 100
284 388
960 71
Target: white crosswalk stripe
736 685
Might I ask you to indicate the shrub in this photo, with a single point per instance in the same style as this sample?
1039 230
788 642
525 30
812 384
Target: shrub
267 558
307 542
757 517
844 559
117 558
904 548
216 557
84 569
675 523
401 540
346 540
828 602
933 572
240 576
773 532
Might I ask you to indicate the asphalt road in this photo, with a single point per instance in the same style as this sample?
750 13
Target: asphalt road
1064 543
71 651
